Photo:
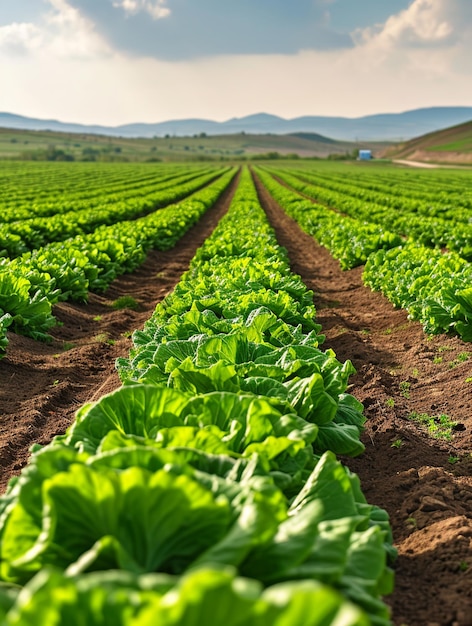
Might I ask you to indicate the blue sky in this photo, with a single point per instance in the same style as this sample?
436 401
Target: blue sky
118 61
190 29
347 15
21 11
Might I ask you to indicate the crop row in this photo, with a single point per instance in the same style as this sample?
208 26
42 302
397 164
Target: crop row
393 189
423 229
207 479
29 191
68 270
349 240
433 286
24 235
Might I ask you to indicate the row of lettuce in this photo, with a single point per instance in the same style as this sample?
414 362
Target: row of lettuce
206 489
31 284
25 234
434 286
435 193
45 189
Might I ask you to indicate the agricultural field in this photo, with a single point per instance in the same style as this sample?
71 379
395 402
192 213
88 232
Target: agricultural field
59 146
199 360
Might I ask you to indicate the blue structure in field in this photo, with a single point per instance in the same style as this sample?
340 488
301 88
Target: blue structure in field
365 155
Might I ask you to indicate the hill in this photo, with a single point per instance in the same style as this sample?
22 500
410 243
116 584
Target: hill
381 127
450 145
48 145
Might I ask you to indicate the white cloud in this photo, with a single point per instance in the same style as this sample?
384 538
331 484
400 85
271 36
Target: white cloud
430 41
71 34
424 23
157 9
20 38
63 33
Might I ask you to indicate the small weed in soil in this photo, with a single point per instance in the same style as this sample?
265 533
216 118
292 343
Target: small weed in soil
101 338
438 426
125 302
104 338
461 358
390 403
453 459
397 443
67 345
98 318
437 360
405 389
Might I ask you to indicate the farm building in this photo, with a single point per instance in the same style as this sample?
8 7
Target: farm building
365 155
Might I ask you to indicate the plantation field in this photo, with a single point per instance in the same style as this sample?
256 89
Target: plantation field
236 362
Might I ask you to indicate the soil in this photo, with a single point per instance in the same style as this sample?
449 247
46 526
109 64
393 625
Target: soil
425 483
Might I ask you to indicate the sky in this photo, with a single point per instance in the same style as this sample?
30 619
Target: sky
121 61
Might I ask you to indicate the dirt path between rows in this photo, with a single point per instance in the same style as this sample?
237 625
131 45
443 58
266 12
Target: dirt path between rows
424 483
42 385
418 164
425 164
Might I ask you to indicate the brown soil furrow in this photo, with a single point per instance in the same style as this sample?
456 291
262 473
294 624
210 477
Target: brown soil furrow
424 483
44 384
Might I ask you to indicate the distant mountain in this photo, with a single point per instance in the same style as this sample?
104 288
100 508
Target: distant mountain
10 120
381 127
